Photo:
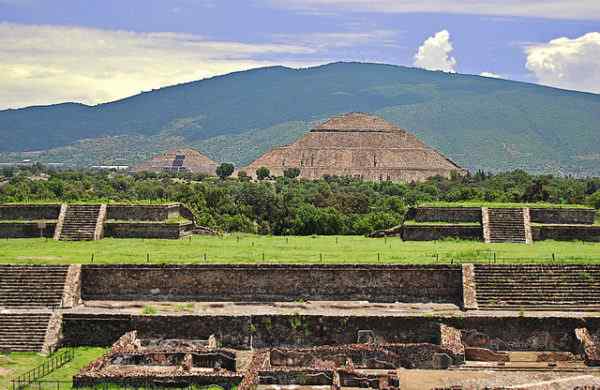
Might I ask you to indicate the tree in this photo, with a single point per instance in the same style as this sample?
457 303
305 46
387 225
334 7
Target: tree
243 176
594 200
224 170
262 173
291 173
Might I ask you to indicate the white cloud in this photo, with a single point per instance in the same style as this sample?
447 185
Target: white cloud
490 75
434 53
44 64
567 63
555 9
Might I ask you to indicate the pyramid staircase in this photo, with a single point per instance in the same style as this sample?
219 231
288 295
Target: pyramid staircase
23 332
81 223
538 287
506 225
31 286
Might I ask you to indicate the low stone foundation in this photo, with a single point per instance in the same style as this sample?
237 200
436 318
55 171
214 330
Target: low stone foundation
147 230
566 233
445 214
440 232
26 229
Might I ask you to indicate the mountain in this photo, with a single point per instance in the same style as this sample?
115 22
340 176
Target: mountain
480 123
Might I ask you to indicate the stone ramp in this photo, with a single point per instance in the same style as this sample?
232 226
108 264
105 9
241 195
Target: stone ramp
538 287
23 332
506 225
32 286
81 222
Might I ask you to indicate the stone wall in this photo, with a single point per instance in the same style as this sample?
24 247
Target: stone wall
25 230
147 230
142 212
563 216
439 232
262 331
445 214
29 212
566 233
271 283
519 333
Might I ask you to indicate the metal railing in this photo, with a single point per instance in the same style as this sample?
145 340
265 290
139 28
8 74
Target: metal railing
52 363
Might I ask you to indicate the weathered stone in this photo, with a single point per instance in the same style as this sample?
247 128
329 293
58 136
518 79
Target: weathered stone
441 361
591 350
485 355
451 339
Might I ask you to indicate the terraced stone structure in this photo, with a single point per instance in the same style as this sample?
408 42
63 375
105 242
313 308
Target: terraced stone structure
87 222
179 160
497 225
358 145
354 326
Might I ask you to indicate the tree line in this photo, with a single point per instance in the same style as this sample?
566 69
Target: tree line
287 205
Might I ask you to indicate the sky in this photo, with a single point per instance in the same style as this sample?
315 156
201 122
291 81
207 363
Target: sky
94 51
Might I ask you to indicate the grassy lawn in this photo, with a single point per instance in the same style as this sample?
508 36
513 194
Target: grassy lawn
19 363
269 249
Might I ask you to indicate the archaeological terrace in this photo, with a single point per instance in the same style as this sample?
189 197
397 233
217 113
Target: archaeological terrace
378 326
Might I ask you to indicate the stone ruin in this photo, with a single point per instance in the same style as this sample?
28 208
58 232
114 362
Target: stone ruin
137 362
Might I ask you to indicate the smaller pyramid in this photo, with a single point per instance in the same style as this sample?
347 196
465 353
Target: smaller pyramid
178 160
358 145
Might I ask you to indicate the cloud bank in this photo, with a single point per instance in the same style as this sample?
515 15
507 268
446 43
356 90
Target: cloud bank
434 53
567 63
553 9
43 64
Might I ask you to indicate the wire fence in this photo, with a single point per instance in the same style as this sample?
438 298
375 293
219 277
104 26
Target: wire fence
51 364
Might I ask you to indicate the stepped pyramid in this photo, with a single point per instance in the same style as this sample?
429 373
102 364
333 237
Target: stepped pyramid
361 146
178 160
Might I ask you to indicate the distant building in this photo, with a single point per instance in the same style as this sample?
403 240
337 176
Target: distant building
361 146
178 160
110 167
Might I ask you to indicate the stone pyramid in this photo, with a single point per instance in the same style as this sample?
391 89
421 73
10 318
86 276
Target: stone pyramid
179 160
361 146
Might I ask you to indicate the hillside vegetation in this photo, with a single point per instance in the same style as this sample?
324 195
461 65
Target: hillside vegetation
481 123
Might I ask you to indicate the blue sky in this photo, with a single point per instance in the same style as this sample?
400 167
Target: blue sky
94 51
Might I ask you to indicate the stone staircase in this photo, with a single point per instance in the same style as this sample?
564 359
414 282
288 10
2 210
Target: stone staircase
81 223
23 332
32 286
538 287
506 225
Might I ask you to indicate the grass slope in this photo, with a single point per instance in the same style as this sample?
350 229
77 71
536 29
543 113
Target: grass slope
481 123
249 249
19 363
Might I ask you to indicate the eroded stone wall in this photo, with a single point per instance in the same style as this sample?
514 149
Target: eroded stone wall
26 230
439 232
563 216
272 283
566 233
258 331
445 214
29 212
146 230
142 212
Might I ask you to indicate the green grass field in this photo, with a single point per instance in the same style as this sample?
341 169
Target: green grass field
249 249
19 363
